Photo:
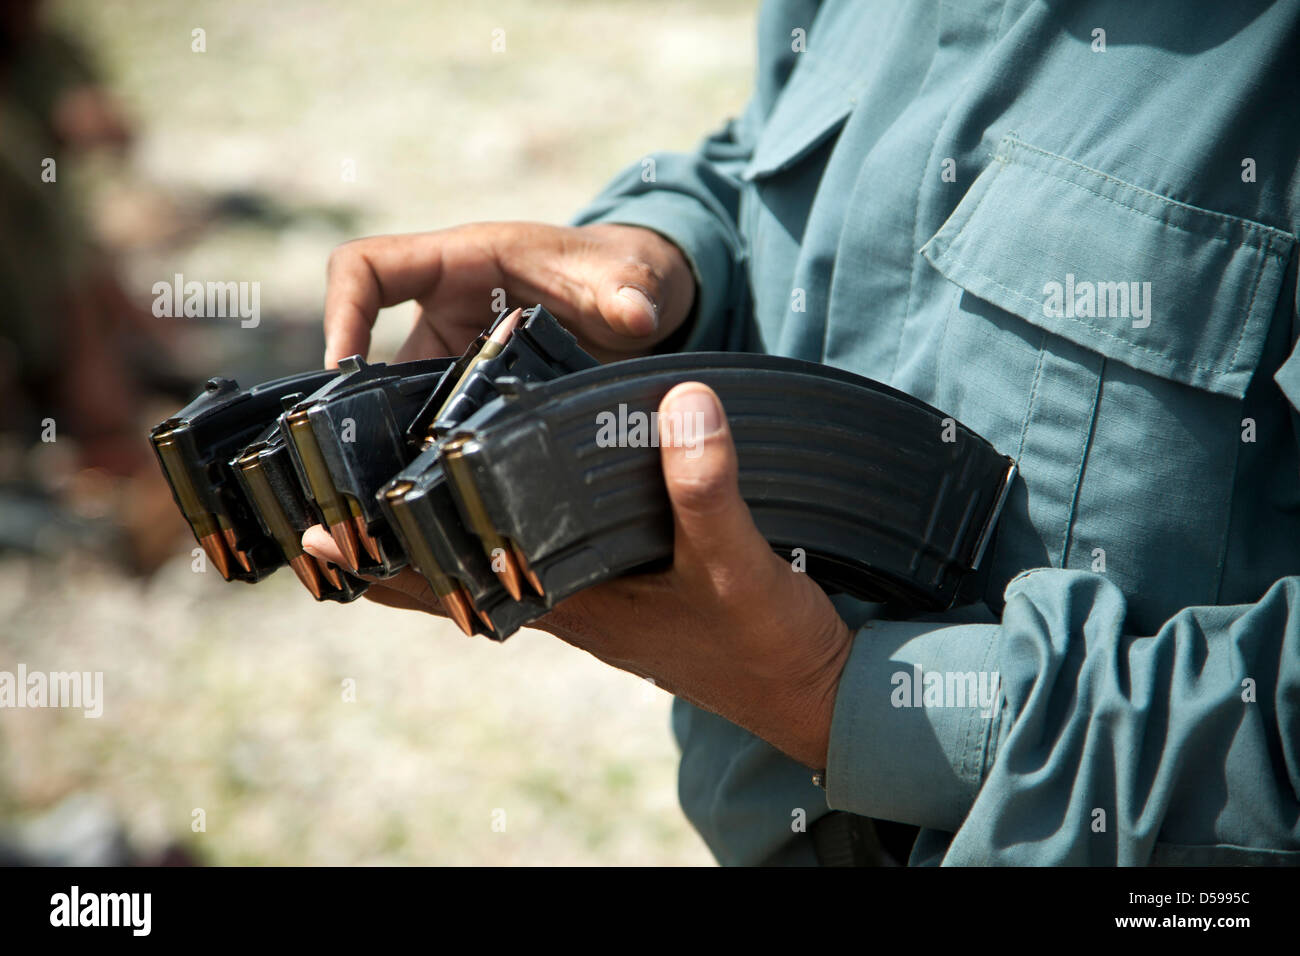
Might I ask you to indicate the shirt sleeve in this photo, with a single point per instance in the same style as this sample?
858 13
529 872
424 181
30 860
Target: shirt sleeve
1102 747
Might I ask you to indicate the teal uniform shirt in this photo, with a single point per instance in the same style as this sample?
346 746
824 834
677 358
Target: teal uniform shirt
1071 226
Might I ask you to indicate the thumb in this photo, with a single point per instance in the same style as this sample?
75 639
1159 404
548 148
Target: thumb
611 300
628 301
633 287
714 531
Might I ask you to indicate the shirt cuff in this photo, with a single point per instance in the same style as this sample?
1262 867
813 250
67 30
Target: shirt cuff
691 227
916 722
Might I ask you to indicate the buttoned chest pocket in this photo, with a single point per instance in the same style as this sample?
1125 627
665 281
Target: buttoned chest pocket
1113 332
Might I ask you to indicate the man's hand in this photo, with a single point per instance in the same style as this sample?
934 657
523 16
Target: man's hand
730 626
620 289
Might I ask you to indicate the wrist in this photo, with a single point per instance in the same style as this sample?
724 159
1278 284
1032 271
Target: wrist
813 746
794 712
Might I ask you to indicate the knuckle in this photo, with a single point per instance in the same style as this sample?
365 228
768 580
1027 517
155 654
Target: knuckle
703 491
342 256
638 271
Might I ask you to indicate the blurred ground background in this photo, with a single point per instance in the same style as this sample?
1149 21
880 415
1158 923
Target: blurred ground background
230 698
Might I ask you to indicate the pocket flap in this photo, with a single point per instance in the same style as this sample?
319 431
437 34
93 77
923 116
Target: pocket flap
813 105
1156 284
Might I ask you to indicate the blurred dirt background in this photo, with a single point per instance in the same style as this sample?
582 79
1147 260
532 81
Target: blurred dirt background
302 125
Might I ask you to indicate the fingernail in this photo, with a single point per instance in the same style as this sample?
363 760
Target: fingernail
644 306
312 540
698 407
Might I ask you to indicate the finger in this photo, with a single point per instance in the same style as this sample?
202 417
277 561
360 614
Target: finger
407 589
629 302
413 585
628 293
715 536
319 543
647 291
650 290
404 602
407 586
367 275
610 284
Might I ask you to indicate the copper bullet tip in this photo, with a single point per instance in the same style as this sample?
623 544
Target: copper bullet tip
304 567
367 539
330 573
507 570
215 547
345 536
458 607
501 334
240 556
529 573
